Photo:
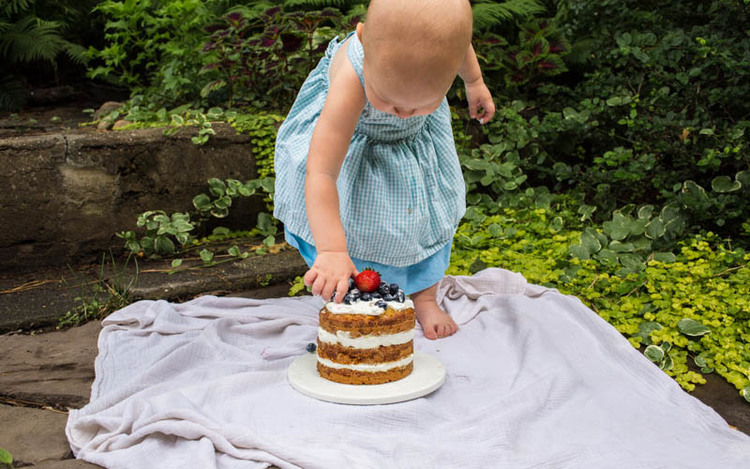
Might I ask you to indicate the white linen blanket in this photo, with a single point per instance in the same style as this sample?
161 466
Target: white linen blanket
534 380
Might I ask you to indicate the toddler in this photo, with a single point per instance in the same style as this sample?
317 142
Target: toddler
367 173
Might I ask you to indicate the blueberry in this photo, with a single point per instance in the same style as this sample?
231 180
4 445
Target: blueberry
351 283
333 297
395 288
366 297
388 297
382 304
311 347
355 293
384 289
376 295
400 296
347 299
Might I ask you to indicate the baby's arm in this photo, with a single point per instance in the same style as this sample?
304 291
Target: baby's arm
328 147
477 93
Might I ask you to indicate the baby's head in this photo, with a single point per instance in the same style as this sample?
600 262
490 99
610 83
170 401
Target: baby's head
413 52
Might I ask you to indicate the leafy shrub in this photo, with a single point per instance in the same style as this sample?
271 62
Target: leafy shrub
263 59
216 52
653 111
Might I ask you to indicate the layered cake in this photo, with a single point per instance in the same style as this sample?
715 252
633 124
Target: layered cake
369 338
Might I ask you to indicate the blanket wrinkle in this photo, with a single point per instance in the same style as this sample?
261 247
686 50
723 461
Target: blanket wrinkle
534 380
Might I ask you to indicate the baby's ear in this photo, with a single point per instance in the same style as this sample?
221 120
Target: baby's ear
359 30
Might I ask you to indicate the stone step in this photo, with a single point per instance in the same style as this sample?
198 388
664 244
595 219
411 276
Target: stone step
39 299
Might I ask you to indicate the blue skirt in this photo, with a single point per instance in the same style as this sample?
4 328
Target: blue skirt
411 279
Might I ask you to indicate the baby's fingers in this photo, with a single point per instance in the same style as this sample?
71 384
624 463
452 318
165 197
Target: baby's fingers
488 110
310 277
341 289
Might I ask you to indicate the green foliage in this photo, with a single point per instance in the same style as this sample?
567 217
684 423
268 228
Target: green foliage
152 47
98 299
691 306
34 31
167 235
216 52
262 127
654 110
263 59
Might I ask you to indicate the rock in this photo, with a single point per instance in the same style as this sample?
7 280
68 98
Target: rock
33 436
66 464
104 125
54 369
106 109
120 124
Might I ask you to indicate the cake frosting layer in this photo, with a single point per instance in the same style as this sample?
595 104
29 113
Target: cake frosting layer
367 307
345 339
367 367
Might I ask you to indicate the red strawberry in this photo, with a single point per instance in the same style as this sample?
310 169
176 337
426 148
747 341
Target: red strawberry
367 281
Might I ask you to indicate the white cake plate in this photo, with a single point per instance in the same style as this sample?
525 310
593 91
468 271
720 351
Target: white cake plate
427 376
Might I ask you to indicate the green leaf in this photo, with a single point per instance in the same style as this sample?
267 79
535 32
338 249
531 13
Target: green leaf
216 187
723 184
617 246
617 229
654 353
607 256
667 364
590 241
202 202
206 255
586 211
220 231
665 257
234 251
176 262
655 229
269 240
645 329
163 245
692 328
666 346
645 211
579 252
745 392
5 457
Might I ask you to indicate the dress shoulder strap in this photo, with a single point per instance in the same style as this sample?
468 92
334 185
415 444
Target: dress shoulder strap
356 56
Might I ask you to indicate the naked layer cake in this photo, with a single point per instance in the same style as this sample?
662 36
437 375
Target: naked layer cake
369 338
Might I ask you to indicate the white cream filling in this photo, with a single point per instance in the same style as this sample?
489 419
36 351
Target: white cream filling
366 341
366 307
373 368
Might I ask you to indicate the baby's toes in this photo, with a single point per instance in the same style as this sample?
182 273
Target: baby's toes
431 331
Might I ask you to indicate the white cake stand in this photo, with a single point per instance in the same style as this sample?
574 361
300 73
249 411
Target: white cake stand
427 376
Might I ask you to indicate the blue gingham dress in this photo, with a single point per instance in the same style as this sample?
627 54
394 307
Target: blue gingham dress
401 192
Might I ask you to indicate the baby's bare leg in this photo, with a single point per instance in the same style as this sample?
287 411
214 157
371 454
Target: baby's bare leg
435 322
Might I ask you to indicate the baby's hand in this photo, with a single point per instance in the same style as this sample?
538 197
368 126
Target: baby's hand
331 270
479 98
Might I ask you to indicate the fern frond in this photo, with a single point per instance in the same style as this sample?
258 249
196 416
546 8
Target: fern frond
32 39
77 53
490 13
11 7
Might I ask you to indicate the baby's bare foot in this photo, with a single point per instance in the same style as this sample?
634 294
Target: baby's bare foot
435 322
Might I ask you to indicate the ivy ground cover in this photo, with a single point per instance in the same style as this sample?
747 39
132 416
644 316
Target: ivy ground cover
693 309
